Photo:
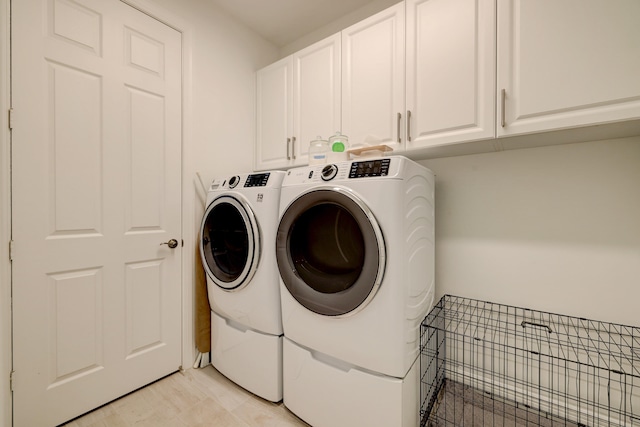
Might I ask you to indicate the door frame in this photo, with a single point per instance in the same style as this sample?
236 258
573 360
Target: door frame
6 351
188 195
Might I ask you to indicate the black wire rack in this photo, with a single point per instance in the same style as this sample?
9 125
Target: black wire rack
488 364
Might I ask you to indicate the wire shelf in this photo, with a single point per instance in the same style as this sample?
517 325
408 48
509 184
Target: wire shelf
488 364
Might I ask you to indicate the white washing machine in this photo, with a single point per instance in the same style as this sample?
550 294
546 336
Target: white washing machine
237 240
355 252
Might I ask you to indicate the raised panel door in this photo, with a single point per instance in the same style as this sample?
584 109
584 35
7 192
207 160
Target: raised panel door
96 190
274 115
567 64
450 71
373 82
317 92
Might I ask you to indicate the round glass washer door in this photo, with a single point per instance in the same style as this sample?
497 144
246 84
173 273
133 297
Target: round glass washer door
330 251
230 242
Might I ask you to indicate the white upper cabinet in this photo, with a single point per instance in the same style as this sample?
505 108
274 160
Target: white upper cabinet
316 93
569 63
298 98
274 115
450 72
443 77
373 55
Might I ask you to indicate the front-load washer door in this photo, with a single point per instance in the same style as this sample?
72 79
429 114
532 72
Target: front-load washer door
330 251
230 242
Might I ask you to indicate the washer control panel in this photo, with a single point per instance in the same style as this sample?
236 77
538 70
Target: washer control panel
257 180
368 168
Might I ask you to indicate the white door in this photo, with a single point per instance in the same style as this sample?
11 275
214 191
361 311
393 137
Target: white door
274 115
564 64
373 78
96 189
451 56
316 90
298 98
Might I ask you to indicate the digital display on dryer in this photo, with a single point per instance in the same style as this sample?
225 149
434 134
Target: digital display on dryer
257 180
369 168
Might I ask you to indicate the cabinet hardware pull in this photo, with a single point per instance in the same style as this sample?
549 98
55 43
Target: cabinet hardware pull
293 147
288 143
503 104
408 125
399 120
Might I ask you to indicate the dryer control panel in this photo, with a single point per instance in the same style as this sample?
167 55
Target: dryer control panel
368 168
346 171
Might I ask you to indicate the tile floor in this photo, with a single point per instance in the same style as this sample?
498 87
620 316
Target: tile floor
193 398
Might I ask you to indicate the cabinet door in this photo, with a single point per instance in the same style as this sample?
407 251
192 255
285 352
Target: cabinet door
316 94
373 77
274 115
450 71
567 63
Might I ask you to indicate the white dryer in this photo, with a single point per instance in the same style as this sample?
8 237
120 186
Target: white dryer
355 252
237 240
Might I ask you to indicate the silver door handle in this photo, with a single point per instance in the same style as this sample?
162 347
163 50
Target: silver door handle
288 143
173 243
399 120
503 106
293 147
408 125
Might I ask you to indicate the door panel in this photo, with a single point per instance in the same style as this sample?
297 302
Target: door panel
560 66
274 115
450 86
373 77
74 112
96 190
75 309
146 149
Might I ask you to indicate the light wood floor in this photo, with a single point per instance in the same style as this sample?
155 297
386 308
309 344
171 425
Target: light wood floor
193 398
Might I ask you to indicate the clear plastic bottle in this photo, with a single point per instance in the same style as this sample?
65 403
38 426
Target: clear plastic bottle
318 149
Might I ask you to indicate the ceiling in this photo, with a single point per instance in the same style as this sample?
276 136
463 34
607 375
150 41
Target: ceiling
284 21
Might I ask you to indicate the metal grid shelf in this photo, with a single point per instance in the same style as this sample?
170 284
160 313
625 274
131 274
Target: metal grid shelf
488 364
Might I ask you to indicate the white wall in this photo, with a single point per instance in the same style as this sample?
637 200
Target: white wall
553 228
225 56
222 57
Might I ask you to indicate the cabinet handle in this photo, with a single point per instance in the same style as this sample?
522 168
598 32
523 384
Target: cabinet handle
293 147
399 120
288 143
408 125
503 104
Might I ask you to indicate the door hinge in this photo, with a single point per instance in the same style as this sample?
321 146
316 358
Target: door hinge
10 250
10 118
11 375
